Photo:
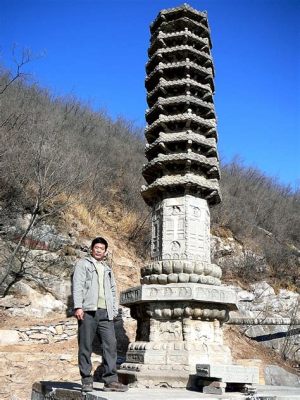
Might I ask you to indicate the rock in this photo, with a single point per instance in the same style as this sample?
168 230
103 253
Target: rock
43 256
66 357
38 336
43 237
14 302
244 295
61 288
262 289
40 304
23 337
8 337
275 375
52 330
23 221
264 305
287 295
221 247
59 329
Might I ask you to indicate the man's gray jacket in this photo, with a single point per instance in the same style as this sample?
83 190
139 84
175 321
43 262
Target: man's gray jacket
86 287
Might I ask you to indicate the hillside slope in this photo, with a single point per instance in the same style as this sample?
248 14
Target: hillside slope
62 162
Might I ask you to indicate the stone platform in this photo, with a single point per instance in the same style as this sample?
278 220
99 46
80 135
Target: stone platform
180 292
71 391
179 326
229 373
218 379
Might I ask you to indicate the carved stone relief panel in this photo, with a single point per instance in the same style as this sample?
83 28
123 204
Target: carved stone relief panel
181 229
197 229
203 331
173 239
156 241
165 330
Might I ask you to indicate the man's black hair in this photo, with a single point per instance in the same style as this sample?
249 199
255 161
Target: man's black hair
99 240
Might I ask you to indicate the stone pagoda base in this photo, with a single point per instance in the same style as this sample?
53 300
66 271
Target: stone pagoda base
169 363
146 376
179 326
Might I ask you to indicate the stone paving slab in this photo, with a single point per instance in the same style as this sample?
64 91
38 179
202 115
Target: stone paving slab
71 391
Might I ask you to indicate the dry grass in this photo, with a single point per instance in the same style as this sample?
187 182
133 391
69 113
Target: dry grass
115 218
278 284
221 232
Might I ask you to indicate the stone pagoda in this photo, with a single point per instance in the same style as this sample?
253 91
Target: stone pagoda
180 305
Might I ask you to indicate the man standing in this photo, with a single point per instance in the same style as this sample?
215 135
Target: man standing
95 304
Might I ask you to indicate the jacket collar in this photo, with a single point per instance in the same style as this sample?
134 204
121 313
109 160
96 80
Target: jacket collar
93 261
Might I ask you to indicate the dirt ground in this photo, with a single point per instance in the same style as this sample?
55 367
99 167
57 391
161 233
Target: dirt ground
8 321
69 346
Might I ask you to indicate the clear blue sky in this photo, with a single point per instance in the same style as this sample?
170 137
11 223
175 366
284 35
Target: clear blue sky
97 50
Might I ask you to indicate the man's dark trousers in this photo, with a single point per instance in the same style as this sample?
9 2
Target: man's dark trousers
97 322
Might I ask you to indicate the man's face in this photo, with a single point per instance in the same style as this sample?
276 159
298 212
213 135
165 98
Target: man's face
98 251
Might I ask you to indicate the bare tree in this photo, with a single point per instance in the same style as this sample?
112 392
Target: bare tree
54 151
20 59
46 185
257 209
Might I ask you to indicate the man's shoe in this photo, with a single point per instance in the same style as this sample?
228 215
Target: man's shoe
115 387
87 384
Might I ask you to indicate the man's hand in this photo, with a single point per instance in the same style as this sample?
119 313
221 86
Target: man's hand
79 314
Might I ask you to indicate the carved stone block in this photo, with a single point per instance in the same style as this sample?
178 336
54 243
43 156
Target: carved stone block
180 271
181 229
177 310
146 356
213 390
184 291
202 331
165 330
229 373
154 376
182 353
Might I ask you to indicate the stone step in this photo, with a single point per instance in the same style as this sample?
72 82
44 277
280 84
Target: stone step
229 373
68 390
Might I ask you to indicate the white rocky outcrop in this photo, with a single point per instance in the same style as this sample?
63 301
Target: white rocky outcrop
8 336
35 303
